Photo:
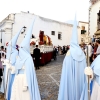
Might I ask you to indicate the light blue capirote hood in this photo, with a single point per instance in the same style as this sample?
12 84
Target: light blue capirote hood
11 48
26 60
75 50
24 50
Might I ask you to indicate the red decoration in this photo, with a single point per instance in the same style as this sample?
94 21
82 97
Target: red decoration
41 35
32 43
41 43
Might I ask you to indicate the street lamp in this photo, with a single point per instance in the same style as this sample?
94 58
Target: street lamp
24 28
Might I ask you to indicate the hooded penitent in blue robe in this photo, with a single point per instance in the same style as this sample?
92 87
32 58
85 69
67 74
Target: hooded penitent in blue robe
25 59
73 84
12 53
96 80
96 69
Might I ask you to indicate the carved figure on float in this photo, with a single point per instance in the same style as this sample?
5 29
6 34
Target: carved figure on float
43 40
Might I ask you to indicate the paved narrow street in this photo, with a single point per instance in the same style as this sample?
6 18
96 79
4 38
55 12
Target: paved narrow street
48 77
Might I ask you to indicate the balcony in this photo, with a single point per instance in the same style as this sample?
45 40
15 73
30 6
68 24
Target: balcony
97 34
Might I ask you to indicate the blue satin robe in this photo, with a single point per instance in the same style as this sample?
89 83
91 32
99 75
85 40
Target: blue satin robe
73 84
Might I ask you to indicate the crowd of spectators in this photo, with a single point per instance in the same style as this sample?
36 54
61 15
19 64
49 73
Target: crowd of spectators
61 50
2 58
93 49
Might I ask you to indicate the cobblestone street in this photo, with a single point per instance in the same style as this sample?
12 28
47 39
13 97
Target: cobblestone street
48 77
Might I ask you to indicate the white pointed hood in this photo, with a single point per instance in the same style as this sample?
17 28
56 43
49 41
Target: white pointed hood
12 44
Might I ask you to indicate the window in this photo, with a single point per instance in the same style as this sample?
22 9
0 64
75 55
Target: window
83 31
52 32
59 35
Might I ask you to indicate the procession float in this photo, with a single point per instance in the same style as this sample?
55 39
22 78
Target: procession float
45 45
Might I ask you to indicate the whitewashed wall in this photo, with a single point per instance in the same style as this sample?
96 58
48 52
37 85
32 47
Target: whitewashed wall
93 17
46 25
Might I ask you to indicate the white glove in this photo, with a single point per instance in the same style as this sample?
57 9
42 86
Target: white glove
8 65
89 72
68 53
12 70
2 77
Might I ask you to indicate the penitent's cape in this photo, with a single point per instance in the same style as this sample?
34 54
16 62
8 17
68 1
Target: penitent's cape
26 60
73 84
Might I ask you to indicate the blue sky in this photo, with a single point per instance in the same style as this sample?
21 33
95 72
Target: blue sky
60 10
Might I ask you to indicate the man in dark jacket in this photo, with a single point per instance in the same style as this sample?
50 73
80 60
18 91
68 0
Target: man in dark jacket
36 54
54 53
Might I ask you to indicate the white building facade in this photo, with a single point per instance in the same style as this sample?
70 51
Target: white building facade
94 18
59 32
